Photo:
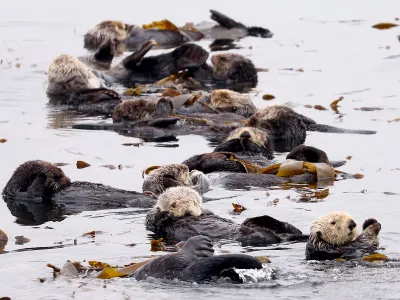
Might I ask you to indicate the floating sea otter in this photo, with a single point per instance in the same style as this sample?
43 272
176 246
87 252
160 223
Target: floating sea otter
288 128
167 35
335 236
179 215
39 191
195 262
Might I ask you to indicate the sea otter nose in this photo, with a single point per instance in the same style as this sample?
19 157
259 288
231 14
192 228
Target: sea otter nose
352 225
245 135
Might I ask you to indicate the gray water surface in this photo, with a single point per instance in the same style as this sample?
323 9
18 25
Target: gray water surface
341 55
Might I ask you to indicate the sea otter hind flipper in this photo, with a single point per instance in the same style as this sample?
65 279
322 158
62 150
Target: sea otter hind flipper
130 62
224 20
333 129
219 266
276 226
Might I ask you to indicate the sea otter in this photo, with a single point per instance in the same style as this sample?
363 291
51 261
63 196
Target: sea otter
40 190
73 82
106 30
167 34
335 236
289 127
227 69
178 215
195 262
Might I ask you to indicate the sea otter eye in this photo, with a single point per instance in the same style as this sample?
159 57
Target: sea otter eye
333 222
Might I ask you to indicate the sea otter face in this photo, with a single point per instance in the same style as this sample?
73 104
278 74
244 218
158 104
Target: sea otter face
336 228
165 177
199 180
230 101
252 141
180 201
235 68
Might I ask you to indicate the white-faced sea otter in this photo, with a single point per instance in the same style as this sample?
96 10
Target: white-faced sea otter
178 216
335 236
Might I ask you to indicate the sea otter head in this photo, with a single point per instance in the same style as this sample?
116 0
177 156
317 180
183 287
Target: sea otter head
106 30
180 201
161 178
248 141
336 228
235 68
230 101
309 154
199 180
142 109
38 178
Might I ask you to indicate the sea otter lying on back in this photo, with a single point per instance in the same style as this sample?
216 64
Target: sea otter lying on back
178 215
195 262
166 34
335 236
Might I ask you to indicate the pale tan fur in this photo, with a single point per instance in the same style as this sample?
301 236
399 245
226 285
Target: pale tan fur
115 30
69 68
335 234
227 99
180 201
257 136
154 182
273 112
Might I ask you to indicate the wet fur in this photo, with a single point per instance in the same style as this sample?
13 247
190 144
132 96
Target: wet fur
180 201
142 109
330 241
165 177
248 141
230 101
195 262
106 30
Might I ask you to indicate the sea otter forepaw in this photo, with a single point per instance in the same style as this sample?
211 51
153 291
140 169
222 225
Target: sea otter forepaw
198 247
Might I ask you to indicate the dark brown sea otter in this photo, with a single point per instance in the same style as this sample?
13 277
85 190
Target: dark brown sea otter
39 191
167 35
178 215
195 262
288 128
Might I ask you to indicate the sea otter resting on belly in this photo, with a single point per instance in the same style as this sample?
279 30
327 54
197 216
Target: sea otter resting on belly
179 215
195 262
335 236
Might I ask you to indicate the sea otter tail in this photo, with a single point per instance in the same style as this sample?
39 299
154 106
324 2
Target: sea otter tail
333 129
220 266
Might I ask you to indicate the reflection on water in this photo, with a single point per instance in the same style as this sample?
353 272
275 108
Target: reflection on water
339 53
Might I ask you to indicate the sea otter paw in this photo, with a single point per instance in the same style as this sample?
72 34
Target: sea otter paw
197 247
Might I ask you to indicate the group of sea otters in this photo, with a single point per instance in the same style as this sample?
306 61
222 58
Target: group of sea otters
178 93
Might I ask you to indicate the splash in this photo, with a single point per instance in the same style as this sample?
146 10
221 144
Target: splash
256 275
